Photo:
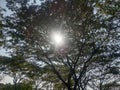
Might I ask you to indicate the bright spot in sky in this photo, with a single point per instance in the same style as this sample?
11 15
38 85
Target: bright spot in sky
58 38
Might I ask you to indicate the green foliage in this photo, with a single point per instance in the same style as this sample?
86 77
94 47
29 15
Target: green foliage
1 26
91 32
21 86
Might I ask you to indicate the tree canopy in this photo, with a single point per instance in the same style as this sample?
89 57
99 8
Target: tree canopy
90 29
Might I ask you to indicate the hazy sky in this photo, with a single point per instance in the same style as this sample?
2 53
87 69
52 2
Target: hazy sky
7 79
3 5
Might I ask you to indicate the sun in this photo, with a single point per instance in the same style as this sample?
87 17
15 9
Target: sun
58 38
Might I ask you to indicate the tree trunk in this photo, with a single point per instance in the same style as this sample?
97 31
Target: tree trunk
69 87
15 86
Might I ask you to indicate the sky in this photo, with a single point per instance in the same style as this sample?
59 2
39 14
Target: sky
3 52
3 5
7 79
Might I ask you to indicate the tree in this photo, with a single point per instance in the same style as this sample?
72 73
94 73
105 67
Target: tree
89 31
1 26
111 86
21 86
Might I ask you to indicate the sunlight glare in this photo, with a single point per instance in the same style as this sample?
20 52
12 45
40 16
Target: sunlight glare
57 38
